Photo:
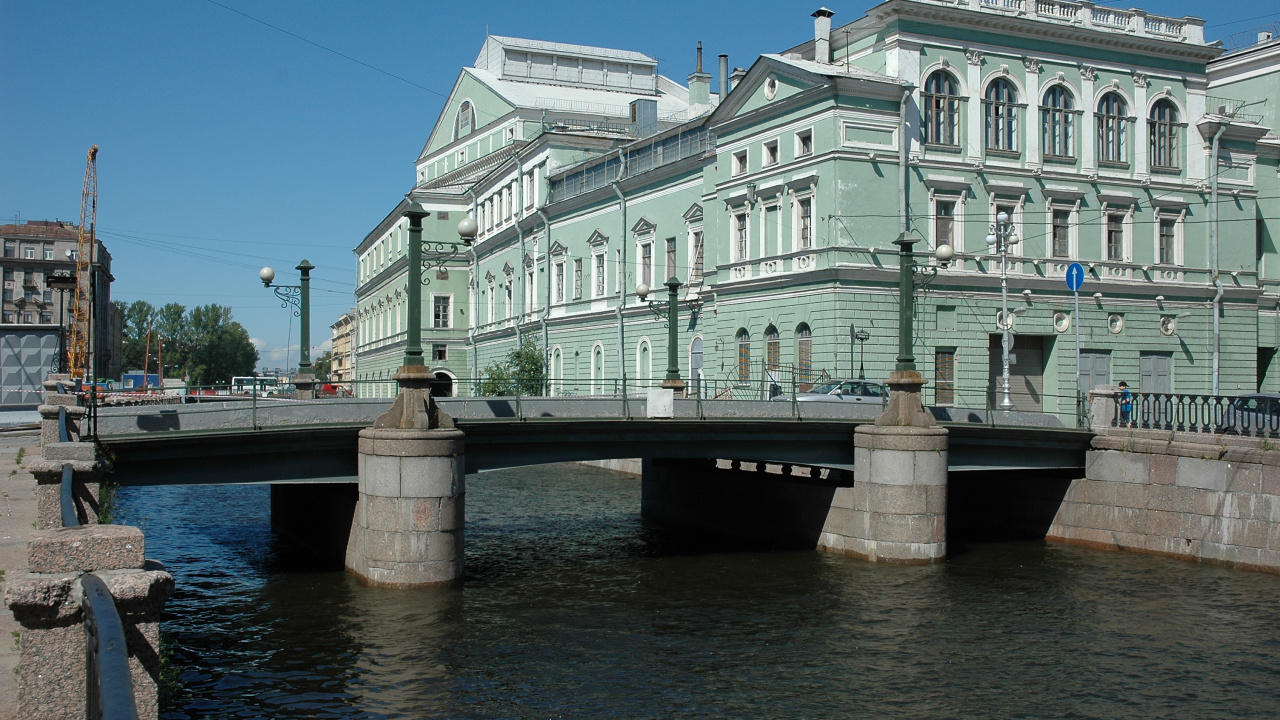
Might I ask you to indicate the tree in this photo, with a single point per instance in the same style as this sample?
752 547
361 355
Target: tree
138 317
204 343
322 366
523 372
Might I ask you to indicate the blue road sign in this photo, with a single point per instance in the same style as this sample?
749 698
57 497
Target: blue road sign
1075 276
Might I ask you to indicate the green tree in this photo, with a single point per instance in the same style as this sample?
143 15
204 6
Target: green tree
322 366
220 347
523 372
138 318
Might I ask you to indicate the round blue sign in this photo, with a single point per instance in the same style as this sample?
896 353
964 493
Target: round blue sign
1075 276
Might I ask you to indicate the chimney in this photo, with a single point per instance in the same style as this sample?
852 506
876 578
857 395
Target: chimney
822 35
724 77
644 117
699 87
736 77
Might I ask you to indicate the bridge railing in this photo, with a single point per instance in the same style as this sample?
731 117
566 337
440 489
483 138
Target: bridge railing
1247 415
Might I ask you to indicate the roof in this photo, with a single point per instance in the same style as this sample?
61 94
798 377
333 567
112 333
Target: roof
835 70
589 100
568 49
42 229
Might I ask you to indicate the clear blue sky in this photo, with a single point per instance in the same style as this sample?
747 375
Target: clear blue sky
227 145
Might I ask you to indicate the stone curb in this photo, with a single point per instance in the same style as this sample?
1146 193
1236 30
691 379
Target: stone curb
412 443
86 548
880 437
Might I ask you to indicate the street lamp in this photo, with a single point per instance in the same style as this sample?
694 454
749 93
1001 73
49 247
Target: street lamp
1002 237
63 283
905 408
297 297
859 337
672 380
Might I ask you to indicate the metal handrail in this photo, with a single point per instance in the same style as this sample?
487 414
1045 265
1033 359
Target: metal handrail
66 502
108 681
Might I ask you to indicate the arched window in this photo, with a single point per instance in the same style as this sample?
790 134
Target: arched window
1112 112
557 372
941 100
744 356
1002 116
465 121
804 357
597 369
642 363
695 366
1164 135
772 348
1057 111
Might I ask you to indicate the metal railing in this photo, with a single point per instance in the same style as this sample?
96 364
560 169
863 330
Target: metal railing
108 680
1210 414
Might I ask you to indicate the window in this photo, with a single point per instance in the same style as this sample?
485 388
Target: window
1002 116
8 294
804 357
47 296
1061 233
1164 135
530 292
1009 211
10 249
1057 113
740 162
8 317
1168 240
1115 236
48 251
695 275
559 281
804 209
1112 114
804 143
528 189
511 134
599 275
772 348
26 318
510 292
577 279
744 356
493 300
439 351
740 236
944 377
944 219
617 276
671 257
465 121
461 157
28 295
29 253
646 263
771 153
941 100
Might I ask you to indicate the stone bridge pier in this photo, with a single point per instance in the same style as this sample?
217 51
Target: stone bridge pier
408 528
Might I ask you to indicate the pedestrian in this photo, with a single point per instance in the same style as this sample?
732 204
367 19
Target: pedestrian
1126 405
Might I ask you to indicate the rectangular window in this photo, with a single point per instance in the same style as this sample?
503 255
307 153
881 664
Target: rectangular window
646 263
740 162
804 143
1061 233
944 218
528 190
10 250
28 295
805 211
511 306
671 258
740 236
1008 210
26 318
599 275
47 296
493 300
1168 234
439 351
46 318
29 253
771 153
617 276
1115 237
8 317
696 274
944 377
48 251
462 157
441 317
8 294
577 279
559 281
8 273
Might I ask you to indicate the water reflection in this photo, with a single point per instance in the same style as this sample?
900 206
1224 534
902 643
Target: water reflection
576 607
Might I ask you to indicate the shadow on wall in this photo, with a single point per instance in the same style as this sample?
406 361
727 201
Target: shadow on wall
993 506
164 420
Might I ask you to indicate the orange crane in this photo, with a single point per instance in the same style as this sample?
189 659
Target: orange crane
80 312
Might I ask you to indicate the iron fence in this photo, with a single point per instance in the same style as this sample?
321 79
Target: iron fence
1250 416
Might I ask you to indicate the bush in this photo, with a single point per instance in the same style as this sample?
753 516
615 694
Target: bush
523 372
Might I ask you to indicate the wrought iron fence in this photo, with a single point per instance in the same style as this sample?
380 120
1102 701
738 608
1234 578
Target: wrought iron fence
1251 416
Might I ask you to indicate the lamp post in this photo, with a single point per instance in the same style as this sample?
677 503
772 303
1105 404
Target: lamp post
672 381
298 299
859 337
62 283
905 407
1002 237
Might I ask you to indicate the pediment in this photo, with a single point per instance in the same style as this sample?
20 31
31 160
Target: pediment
693 214
643 226
558 248
489 277
507 268
528 260
598 238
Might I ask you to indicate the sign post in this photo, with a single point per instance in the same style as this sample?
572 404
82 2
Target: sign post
1075 278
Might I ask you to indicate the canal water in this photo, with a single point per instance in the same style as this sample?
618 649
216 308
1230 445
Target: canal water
575 607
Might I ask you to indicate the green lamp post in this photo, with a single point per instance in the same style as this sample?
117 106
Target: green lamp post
672 381
298 299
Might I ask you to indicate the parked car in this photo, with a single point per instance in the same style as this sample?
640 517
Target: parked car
1248 413
858 391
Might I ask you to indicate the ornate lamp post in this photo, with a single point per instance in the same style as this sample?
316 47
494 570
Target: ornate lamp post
298 298
860 337
672 381
905 407
63 283
1002 237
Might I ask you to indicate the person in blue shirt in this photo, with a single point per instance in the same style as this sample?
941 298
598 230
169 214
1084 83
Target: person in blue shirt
1126 405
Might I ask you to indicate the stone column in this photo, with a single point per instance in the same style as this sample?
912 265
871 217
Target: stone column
408 526
896 511
47 603
81 455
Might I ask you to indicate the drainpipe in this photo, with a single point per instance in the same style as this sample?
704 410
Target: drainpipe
622 270
546 311
1217 282
475 293
902 164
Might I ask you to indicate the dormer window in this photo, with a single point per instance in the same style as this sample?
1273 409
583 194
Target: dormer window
740 162
771 153
465 121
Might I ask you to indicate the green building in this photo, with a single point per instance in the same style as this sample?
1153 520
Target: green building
777 200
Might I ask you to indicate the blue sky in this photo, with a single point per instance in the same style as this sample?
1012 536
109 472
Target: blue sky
227 145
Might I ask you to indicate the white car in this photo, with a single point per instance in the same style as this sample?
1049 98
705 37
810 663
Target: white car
858 391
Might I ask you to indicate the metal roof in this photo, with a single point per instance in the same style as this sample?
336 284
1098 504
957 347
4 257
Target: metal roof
578 50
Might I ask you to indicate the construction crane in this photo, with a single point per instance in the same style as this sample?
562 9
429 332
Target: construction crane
85 244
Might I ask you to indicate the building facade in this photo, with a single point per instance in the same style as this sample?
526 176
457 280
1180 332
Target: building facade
342 365
777 203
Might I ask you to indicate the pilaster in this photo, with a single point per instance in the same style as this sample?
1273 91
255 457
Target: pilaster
1088 130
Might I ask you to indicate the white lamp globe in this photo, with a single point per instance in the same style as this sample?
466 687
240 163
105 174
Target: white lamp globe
642 290
991 239
1003 217
944 252
267 275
